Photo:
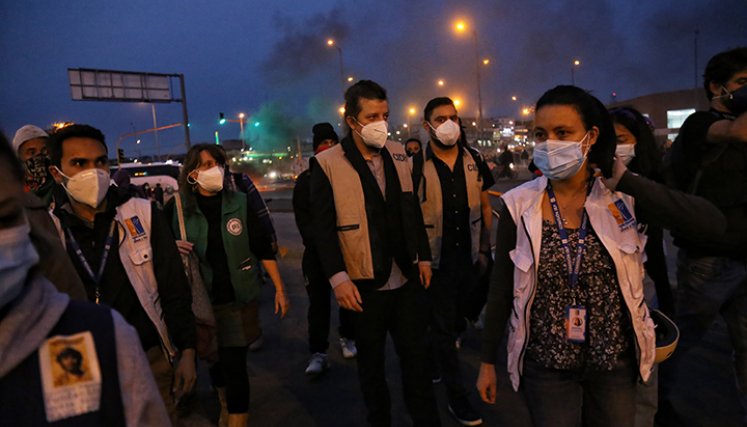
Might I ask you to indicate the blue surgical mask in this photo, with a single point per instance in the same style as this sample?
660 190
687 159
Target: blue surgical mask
735 101
559 159
17 256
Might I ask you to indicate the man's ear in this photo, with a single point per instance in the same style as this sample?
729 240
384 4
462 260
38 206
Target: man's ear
715 88
351 122
56 174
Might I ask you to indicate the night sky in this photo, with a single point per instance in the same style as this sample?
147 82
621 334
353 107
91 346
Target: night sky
269 59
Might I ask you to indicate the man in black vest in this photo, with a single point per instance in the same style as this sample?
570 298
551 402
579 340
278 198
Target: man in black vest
61 361
317 285
709 159
369 228
458 224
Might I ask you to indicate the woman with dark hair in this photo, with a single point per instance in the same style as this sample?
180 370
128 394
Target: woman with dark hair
636 148
230 243
568 273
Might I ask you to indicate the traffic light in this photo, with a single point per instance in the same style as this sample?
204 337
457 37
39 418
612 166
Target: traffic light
120 156
221 119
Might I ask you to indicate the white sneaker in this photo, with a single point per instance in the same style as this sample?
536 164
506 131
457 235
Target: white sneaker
348 348
317 364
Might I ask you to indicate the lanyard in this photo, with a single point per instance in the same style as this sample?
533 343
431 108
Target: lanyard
107 246
573 267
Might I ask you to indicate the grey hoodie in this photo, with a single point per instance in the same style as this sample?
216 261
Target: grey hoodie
28 323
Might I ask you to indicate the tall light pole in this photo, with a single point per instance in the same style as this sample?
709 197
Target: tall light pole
331 43
242 118
410 112
461 27
574 65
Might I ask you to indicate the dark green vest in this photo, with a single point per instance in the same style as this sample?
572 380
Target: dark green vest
242 263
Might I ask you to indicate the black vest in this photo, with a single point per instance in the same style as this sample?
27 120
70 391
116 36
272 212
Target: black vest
21 391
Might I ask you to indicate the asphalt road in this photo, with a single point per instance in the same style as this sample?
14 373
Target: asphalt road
282 395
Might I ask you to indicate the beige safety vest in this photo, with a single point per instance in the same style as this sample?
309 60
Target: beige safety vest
350 205
432 206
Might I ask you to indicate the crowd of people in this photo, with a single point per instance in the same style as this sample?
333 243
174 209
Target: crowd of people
109 299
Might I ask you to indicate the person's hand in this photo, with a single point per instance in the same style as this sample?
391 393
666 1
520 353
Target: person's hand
486 383
184 246
618 169
282 303
185 374
425 274
482 263
348 297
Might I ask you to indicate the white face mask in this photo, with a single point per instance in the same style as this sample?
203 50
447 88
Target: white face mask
17 256
211 180
447 132
374 134
559 159
625 152
88 187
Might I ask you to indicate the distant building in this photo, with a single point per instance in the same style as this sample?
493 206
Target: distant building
668 110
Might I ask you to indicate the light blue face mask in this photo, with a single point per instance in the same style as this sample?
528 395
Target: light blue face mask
559 159
17 256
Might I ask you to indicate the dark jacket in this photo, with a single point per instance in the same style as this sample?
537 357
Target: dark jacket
54 264
117 291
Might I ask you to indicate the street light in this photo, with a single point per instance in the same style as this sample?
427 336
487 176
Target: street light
514 98
440 83
242 117
350 79
331 43
574 65
410 112
461 27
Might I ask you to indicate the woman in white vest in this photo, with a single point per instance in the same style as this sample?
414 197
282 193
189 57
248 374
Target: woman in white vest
567 282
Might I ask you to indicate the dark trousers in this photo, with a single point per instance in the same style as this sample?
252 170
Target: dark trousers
230 372
318 316
568 398
446 320
403 314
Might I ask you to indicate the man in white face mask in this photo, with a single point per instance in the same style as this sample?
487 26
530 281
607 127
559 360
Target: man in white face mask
373 250
126 256
39 326
452 185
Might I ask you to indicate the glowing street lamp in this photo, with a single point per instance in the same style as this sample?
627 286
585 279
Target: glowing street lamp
514 98
574 65
242 117
461 26
350 79
440 83
410 112
341 110
331 43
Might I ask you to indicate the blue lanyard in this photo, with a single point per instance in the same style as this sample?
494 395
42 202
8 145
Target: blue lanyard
573 267
104 256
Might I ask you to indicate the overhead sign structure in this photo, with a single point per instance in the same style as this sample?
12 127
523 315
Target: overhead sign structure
104 85
88 84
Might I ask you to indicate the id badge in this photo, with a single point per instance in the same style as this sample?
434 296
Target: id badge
575 324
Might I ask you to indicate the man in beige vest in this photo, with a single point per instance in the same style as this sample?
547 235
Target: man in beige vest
452 189
374 250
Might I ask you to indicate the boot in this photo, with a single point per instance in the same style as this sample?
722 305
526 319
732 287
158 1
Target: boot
238 420
223 417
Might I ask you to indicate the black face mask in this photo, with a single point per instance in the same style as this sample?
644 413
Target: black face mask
736 101
37 172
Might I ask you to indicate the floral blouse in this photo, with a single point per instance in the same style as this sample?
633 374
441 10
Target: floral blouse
608 330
